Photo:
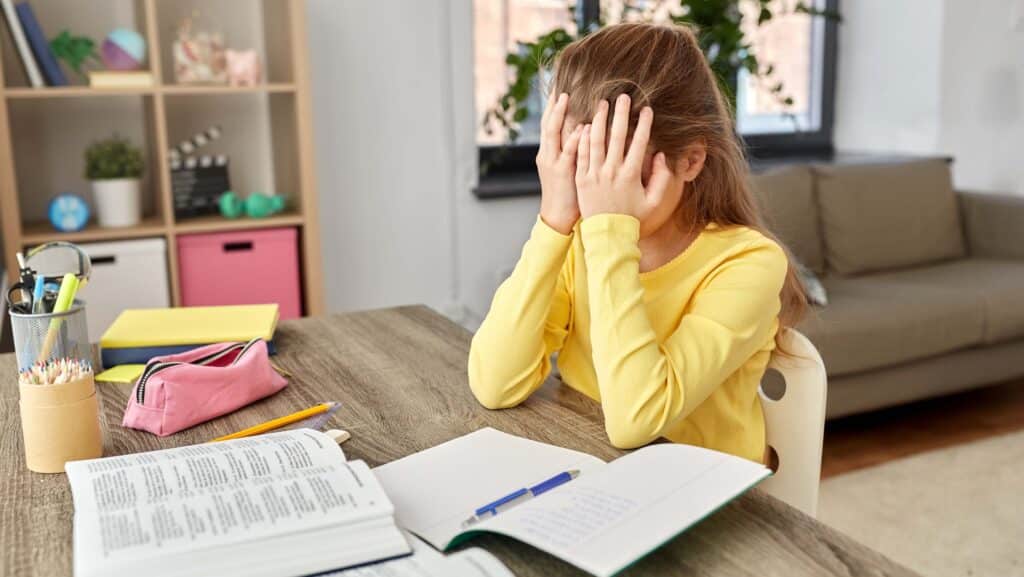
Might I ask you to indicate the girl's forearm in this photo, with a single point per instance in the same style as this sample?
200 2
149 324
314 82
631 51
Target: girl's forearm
510 354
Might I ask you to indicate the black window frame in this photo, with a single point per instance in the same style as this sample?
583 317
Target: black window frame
511 170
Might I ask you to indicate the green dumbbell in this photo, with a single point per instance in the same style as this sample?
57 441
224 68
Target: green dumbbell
256 205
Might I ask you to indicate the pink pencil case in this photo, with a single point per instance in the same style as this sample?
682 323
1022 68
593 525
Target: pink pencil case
179 391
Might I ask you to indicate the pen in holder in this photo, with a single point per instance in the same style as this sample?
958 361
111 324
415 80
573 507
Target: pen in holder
59 411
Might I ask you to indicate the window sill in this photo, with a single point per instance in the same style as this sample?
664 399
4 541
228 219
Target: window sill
526 183
508 185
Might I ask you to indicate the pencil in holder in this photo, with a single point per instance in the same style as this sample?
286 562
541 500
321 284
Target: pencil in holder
59 410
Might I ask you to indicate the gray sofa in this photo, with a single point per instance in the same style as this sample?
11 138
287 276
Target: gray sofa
925 285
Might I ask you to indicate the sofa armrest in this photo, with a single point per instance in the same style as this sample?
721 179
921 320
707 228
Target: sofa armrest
993 224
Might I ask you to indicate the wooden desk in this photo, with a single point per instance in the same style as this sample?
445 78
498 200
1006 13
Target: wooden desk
401 374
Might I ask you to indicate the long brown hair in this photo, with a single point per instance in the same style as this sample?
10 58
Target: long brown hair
662 66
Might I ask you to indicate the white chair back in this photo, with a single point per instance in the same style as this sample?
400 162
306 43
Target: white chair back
795 421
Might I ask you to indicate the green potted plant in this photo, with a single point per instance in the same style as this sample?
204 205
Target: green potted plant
115 168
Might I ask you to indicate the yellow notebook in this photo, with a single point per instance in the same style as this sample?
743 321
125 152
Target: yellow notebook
136 328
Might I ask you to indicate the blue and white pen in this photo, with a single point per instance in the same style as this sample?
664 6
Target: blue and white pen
516 497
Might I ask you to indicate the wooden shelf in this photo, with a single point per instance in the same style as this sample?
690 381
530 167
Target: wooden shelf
175 89
40 232
75 92
218 223
270 139
276 87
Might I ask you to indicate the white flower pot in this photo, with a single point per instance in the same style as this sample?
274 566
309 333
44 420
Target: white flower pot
118 202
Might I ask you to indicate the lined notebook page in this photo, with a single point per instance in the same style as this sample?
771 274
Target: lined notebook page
604 521
435 490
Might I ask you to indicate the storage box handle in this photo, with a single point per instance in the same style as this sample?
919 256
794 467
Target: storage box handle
97 260
238 246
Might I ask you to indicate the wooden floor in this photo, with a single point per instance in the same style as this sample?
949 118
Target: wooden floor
864 440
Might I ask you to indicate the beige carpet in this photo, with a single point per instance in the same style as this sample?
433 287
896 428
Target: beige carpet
954 512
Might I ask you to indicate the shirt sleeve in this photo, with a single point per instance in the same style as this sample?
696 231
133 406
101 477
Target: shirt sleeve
528 321
646 385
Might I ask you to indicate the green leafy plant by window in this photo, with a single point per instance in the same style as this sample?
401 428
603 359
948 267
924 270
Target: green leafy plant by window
113 157
720 32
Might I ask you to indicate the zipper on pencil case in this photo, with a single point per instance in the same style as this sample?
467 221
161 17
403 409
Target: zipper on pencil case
140 390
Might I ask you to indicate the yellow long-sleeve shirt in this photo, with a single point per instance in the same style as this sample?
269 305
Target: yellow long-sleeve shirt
676 352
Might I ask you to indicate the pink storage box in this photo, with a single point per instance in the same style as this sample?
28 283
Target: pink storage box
239 268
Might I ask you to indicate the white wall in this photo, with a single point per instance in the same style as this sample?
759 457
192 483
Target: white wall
396 160
382 107
889 76
929 77
982 113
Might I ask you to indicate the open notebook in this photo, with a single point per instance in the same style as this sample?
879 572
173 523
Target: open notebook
278 504
607 518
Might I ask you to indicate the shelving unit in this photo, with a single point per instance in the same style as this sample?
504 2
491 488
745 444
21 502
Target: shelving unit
268 127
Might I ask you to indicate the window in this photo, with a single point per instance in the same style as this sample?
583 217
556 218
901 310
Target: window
499 26
800 48
793 44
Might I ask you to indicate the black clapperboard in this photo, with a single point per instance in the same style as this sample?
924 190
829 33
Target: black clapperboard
198 183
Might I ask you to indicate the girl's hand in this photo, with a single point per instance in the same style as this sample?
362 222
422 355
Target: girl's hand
556 166
611 182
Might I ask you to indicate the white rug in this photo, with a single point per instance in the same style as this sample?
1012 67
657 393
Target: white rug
954 512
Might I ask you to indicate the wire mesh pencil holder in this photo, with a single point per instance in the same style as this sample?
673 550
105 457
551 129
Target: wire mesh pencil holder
60 420
48 336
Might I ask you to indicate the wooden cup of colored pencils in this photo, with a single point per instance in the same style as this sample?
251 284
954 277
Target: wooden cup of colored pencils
60 418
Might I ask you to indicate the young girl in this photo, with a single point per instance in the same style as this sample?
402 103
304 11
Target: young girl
664 301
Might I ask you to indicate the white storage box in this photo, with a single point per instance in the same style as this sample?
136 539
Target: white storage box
128 274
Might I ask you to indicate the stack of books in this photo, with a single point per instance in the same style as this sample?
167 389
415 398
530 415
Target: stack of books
138 335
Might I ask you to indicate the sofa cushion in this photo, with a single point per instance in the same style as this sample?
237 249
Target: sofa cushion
885 216
786 198
874 321
997 284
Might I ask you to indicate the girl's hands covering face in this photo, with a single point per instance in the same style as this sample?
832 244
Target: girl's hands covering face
556 167
610 181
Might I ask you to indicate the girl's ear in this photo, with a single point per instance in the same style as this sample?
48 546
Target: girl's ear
691 161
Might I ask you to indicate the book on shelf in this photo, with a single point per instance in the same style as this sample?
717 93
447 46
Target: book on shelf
279 504
120 78
40 46
604 520
28 62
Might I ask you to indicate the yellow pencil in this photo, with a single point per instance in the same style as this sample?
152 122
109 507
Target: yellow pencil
277 423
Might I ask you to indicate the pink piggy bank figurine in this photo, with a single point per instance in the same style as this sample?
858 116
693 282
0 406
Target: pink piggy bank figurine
243 67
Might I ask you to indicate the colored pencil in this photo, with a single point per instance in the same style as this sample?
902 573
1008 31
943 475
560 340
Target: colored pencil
277 423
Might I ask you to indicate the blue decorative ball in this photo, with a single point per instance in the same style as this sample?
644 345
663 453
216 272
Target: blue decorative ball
123 49
68 212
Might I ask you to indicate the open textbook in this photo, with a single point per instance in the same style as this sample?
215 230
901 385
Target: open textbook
278 504
604 520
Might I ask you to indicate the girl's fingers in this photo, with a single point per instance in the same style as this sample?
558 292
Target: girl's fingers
551 131
597 134
620 129
583 152
547 110
659 180
570 150
641 136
